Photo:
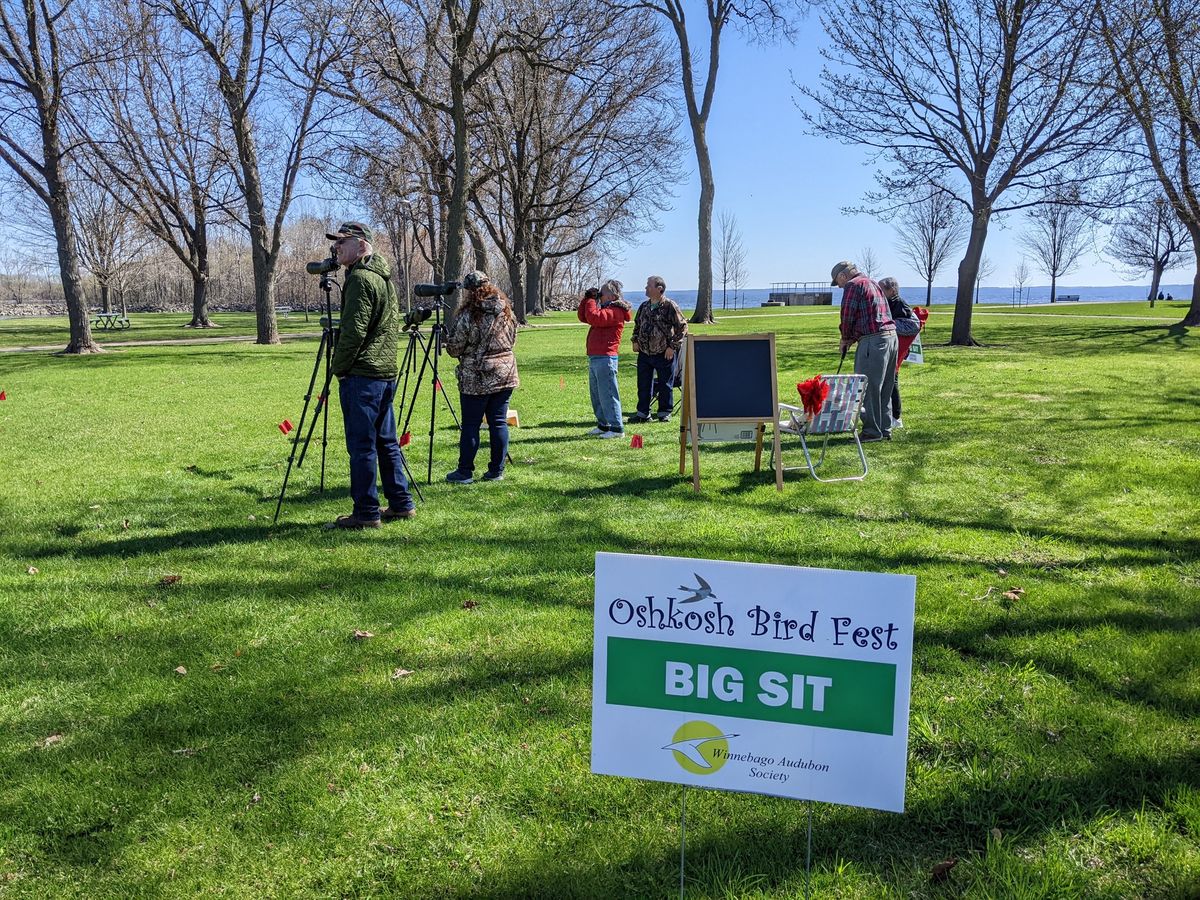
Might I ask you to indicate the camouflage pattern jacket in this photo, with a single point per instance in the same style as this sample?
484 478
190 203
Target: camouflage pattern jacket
482 341
658 326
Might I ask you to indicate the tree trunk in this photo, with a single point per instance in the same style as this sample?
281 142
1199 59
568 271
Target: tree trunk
477 246
457 214
1192 319
928 292
1053 286
516 279
105 303
262 256
1156 278
533 285
960 333
200 300
703 313
68 254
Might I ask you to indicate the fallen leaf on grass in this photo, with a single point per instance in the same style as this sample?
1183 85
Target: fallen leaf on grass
401 673
257 798
168 580
361 635
997 835
470 604
1013 593
94 506
216 667
940 871
1001 572
186 751
333 788
32 570
180 670
250 518
50 740
124 524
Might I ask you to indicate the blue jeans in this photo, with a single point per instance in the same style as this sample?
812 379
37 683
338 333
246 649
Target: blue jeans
474 408
606 396
647 365
371 439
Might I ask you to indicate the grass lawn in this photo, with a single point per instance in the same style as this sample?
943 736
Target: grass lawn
40 331
1055 744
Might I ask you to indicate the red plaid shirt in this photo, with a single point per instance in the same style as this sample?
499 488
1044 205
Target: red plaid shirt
864 309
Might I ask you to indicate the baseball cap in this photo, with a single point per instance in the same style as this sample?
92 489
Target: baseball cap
843 266
353 229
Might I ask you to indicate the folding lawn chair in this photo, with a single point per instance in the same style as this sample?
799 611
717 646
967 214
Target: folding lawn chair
838 417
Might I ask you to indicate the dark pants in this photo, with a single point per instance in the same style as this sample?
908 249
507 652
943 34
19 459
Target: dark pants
474 408
370 440
648 366
896 398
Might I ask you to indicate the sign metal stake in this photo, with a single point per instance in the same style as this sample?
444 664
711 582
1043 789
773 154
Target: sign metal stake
682 838
808 855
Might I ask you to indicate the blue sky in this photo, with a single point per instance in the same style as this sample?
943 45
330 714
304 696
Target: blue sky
787 188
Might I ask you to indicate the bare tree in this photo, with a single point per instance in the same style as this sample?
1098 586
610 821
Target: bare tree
1150 237
1021 277
268 63
986 268
107 239
760 20
158 145
868 262
731 254
1152 60
556 170
993 101
928 232
41 45
1057 234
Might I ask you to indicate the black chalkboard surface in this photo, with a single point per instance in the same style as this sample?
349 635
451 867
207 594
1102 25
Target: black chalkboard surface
735 379
729 378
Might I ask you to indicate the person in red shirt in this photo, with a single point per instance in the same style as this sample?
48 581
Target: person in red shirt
606 311
867 322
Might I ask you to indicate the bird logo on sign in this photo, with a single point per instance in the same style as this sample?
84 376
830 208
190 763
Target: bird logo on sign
702 591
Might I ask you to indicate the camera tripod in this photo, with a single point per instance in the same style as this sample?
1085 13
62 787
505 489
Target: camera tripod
329 335
426 347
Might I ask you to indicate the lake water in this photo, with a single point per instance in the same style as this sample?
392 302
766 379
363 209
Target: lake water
944 295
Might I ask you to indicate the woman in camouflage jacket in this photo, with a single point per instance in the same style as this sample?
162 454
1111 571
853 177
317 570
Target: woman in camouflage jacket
482 340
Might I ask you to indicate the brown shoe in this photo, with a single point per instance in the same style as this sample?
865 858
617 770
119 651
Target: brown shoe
389 514
354 522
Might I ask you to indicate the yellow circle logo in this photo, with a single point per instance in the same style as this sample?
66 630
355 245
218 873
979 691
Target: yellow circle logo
700 747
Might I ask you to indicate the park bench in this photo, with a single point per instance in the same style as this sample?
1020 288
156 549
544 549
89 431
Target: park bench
110 321
1068 298
284 310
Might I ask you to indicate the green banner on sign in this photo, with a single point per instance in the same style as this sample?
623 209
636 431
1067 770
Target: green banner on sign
845 694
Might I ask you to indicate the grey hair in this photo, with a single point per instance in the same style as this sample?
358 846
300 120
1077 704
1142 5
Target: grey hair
889 282
613 287
659 281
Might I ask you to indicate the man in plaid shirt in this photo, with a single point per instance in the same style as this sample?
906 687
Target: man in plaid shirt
867 321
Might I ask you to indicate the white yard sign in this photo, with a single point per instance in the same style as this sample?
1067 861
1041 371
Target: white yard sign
745 677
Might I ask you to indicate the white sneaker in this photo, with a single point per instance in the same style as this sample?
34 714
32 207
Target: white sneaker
596 430
897 423
612 434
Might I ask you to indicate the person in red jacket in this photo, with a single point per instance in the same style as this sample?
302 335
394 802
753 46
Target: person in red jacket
606 311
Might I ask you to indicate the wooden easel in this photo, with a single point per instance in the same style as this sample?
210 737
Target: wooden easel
756 393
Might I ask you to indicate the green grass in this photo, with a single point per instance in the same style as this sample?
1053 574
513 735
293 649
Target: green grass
40 331
1054 747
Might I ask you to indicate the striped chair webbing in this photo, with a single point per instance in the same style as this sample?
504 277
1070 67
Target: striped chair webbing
840 411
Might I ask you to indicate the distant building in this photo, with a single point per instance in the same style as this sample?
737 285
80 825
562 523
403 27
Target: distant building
800 293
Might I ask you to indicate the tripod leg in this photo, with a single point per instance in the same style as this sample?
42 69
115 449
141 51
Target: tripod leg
322 398
300 427
325 413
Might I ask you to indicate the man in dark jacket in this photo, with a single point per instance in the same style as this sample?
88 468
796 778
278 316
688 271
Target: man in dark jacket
658 331
364 362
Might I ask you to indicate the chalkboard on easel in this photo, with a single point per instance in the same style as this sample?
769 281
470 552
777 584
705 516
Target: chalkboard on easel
729 378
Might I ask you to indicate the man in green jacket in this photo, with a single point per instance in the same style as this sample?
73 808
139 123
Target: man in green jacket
364 362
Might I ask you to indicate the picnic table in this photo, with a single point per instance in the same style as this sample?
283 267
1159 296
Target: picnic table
110 321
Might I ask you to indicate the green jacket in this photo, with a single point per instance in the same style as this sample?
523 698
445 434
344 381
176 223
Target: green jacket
370 328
